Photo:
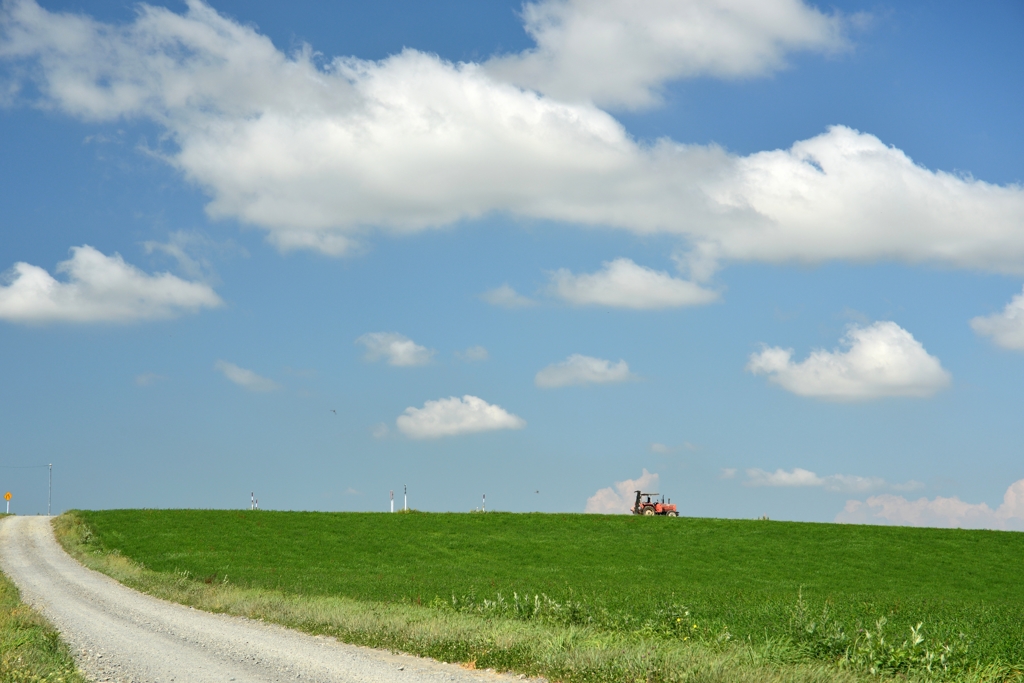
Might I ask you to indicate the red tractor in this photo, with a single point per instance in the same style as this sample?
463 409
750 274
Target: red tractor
645 506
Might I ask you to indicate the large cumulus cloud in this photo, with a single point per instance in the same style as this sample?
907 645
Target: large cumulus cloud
319 154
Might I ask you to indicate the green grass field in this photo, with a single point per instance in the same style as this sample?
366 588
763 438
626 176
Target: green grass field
621 573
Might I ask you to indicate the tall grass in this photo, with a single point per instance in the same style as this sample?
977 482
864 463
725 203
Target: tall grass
30 650
330 574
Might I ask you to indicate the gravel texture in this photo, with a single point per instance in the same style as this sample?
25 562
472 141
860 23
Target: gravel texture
118 634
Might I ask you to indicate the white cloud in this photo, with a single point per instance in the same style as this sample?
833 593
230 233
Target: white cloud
178 246
619 52
398 349
148 378
799 477
380 430
191 251
728 473
618 499
506 297
1006 328
318 156
579 370
99 288
802 477
247 379
883 359
624 284
938 512
846 195
452 416
474 354
665 449
911 485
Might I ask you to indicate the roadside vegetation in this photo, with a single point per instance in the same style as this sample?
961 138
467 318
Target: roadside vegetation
595 598
30 650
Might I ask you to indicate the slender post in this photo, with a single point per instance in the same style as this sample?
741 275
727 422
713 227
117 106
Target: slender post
49 491
405 502
485 503
392 501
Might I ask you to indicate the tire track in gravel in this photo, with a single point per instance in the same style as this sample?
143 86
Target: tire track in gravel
120 635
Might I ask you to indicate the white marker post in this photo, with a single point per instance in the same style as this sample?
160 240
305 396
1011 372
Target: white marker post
7 497
484 508
392 501
405 502
252 500
49 491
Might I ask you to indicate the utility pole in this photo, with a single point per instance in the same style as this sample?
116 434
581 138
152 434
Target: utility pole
49 491
405 503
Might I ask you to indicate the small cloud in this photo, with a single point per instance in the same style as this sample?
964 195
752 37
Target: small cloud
379 430
148 378
852 483
619 498
728 473
100 139
506 297
799 477
1007 327
99 288
452 416
938 512
579 370
881 360
474 354
854 315
247 379
665 449
624 284
398 349
352 492
191 251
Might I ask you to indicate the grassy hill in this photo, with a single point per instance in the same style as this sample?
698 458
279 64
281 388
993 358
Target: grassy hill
821 585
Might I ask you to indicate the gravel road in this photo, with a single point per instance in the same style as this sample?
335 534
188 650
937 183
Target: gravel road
118 634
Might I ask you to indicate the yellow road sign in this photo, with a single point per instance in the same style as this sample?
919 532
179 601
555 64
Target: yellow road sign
7 496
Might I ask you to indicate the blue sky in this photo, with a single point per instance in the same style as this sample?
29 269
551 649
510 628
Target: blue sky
766 257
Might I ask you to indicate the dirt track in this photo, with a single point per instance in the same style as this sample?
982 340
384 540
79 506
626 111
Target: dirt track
120 635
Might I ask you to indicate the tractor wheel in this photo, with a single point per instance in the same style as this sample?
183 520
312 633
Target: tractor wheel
673 513
648 512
